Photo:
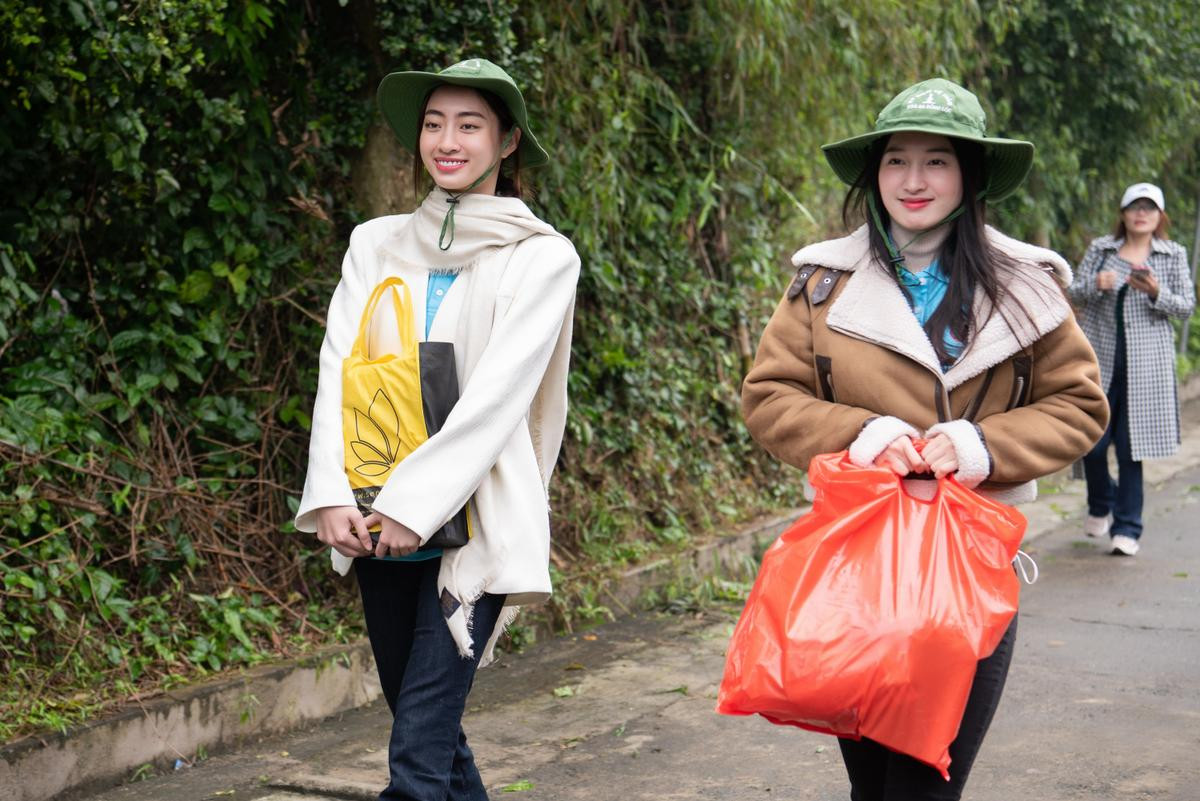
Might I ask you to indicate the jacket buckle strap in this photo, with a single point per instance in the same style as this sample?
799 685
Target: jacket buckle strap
802 275
825 286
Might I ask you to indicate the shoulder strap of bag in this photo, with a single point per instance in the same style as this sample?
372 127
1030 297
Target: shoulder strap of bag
402 306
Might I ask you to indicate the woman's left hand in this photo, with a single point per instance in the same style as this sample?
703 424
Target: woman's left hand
395 538
940 455
1144 281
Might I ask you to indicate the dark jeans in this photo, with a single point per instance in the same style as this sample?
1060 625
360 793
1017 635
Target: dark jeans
877 774
425 680
1122 497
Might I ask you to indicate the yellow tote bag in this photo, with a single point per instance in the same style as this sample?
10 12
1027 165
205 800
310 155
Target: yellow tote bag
393 402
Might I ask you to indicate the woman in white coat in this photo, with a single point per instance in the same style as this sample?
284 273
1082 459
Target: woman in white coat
490 277
1127 289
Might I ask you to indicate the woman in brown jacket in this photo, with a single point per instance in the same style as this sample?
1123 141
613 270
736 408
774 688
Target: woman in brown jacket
927 323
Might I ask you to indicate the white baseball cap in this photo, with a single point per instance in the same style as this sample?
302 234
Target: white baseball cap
1148 191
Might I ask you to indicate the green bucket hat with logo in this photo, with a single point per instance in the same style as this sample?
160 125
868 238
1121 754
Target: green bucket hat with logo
938 106
402 95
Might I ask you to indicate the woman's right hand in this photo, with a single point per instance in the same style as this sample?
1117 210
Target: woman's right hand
1106 280
901 457
342 528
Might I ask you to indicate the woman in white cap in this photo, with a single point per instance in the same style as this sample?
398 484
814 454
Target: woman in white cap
1127 288
488 276
925 323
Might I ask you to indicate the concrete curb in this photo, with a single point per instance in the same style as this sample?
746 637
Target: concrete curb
284 696
179 725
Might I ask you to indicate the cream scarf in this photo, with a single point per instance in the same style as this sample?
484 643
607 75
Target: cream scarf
482 223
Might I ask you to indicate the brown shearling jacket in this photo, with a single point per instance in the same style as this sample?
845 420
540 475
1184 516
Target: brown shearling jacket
844 363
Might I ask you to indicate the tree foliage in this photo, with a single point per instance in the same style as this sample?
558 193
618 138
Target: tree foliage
179 189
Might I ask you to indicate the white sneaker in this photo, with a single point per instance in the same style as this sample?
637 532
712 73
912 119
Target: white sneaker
1097 526
1123 545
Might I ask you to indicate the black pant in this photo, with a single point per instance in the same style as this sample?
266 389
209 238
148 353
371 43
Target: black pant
1124 497
425 681
877 774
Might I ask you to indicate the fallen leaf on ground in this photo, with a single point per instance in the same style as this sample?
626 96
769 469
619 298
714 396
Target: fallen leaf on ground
517 787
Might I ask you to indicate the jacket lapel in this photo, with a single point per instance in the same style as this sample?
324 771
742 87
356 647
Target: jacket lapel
1036 307
872 306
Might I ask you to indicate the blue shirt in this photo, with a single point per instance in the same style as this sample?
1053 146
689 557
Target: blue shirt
926 290
435 293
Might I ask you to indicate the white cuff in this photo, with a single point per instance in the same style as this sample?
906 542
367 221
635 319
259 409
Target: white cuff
974 461
877 435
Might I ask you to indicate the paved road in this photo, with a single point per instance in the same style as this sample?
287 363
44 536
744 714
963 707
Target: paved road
1103 702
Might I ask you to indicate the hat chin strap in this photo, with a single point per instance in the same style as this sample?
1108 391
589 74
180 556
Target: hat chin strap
448 222
895 254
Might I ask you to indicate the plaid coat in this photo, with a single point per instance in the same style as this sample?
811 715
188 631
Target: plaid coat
1149 337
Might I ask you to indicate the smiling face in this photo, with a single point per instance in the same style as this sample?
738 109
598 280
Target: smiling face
460 139
920 180
1141 216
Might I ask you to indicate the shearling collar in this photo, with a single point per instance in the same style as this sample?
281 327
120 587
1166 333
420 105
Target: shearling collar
853 251
872 307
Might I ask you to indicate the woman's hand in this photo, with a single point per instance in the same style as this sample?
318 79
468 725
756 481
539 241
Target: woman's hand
939 456
1144 281
901 458
343 529
1106 280
395 539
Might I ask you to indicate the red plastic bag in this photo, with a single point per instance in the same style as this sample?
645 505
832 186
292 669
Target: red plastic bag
870 613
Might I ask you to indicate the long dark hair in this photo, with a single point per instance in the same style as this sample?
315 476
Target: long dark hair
966 256
508 182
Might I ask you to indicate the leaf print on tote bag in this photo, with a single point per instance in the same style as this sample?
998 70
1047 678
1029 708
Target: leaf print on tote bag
378 436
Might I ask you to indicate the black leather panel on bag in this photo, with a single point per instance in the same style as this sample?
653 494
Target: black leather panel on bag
439 383
439 393
824 366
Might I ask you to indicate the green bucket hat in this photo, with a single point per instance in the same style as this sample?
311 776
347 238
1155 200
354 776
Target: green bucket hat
401 96
938 106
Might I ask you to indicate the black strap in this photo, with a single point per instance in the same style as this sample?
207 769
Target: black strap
804 273
824 287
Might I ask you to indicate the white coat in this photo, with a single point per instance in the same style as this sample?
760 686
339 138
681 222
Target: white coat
509 317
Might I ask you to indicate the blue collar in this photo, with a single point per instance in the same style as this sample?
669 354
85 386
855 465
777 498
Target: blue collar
930 274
